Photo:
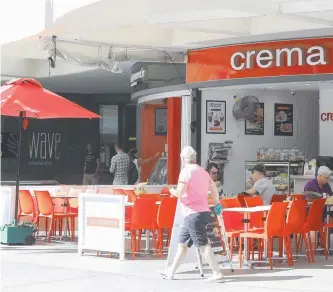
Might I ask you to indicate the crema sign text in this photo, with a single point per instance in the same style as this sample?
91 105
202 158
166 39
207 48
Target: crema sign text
326 117
44 148
284 57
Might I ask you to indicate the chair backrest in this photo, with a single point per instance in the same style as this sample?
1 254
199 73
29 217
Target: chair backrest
118 192
60 205
156 197
165 191
241 199
315 215
254 201
144 214
73 205
296 216
131 196
44 202
276 218
166 212
256 219
278 198
26 203
231 203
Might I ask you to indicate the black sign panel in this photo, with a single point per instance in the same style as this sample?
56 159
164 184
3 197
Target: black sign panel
284 119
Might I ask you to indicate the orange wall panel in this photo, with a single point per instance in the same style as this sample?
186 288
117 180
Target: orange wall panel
150 143
174 136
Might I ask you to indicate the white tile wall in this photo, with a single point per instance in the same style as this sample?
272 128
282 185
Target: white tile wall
306 130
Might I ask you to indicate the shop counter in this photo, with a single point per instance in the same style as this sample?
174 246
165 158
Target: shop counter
301 180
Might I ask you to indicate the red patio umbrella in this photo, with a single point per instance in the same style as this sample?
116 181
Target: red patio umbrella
26 98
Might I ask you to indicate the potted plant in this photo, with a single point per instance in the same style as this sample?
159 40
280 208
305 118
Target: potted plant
18 233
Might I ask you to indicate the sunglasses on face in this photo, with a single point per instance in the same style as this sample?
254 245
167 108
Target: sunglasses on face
214 172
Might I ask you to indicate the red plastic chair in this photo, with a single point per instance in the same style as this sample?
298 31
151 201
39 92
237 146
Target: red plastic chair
131 196
165 192
26 206
233 221
256 219
295 225
46 210
143 218
165 218
278 198
274 227
315 224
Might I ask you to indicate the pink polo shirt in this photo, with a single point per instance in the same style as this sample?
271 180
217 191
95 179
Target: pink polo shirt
197 182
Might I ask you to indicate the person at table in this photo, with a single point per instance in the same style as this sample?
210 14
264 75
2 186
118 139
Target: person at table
194 183
133 153
320 183
91 167
321 186
262 185
120 166
214 173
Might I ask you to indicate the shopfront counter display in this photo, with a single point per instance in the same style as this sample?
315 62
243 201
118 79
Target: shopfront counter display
279 172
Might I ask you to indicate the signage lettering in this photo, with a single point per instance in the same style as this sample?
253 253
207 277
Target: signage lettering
43 148
284 57
326 117
103 222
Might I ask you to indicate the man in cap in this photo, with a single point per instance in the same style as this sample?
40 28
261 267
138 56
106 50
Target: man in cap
262 186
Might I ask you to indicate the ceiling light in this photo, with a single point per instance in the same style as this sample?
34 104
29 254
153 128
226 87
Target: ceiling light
177 17
306 6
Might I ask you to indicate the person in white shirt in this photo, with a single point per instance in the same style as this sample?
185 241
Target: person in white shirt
262 185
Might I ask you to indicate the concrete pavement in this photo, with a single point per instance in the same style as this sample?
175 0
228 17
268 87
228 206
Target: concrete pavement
57 267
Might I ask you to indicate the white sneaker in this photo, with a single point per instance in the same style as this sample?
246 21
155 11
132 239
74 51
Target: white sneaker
166 276
215 278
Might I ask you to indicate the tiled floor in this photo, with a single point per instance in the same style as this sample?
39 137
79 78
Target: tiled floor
58 267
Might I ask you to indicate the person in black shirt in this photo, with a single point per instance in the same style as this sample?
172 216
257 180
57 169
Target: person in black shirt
91 167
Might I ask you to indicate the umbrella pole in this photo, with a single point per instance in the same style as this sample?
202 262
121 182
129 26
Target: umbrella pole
18 162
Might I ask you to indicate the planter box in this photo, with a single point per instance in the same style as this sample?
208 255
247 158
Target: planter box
17 235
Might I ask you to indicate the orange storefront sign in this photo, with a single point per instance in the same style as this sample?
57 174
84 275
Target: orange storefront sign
266 59
103 222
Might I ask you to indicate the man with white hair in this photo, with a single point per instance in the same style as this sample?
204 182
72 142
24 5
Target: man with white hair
193 186
320 183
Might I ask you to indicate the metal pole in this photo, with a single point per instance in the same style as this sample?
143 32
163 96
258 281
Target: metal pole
48 13
18 162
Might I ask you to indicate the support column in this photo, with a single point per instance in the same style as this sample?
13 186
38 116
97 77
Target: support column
186 121
326 122
174 138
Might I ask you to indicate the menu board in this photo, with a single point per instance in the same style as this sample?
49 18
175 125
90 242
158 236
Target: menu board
214 235
254 125
215 117
283 119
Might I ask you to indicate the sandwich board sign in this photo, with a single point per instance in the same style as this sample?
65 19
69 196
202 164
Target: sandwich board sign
102 223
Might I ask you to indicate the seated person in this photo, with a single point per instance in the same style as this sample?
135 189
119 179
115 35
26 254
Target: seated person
320 185
262 185
214 173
